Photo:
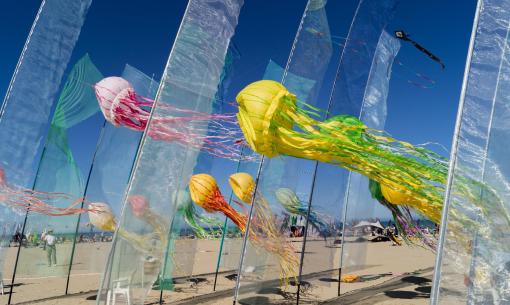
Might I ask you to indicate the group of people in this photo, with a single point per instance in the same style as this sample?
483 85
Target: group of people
47 241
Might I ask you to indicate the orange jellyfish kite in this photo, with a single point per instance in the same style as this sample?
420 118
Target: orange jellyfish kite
205 192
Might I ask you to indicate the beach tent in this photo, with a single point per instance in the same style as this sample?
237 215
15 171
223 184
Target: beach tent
365 223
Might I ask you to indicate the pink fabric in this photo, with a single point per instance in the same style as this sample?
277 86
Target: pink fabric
139 204
35 201
106 92
216 134
2 177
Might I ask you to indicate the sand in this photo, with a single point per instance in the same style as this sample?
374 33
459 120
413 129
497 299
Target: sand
260 284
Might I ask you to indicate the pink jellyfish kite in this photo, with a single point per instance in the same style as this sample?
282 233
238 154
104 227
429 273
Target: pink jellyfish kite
25 199
216 134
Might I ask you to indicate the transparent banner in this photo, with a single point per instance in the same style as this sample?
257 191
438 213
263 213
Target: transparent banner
25 113
66 170
473 265
162 169
361 211
48 246
37 76
284 183
107 182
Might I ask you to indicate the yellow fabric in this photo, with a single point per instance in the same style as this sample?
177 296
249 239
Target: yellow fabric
101 216
268 116
243 185
349 278
201 189
398 195
258 116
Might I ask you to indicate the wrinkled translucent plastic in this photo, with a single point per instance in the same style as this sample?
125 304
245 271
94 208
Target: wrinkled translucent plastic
109 176
37 77
473 266
360 206
190 81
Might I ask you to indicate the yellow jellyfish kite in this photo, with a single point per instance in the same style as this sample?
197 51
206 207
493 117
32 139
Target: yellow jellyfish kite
275 123
264 221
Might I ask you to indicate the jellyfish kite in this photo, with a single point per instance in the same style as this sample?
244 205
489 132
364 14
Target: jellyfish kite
274 123
23 200
402 217
151 244
194 219
263 233
291 203
103 217
263 230
216 134
205 192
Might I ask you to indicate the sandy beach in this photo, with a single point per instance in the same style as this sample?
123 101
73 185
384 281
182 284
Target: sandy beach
383 263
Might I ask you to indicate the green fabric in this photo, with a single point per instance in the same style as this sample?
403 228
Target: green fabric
77 102
58 171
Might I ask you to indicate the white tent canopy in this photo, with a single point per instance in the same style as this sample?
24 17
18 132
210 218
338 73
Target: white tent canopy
365 223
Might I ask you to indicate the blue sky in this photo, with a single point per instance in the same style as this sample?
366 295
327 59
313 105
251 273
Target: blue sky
142 35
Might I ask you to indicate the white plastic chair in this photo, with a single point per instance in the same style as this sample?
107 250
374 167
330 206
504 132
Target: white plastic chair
120 287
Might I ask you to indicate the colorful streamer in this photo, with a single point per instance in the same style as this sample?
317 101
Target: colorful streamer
195 220
263 230
291 203
23 200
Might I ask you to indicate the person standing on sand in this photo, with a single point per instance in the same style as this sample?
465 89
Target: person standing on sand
51 248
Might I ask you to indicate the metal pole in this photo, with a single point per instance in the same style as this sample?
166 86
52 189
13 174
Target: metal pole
225 230
2 110
23 231
246 234
453 157
305 234
330 104
259 171
220 251
82 204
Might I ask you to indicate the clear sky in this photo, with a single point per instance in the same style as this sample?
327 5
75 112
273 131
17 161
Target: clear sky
142 33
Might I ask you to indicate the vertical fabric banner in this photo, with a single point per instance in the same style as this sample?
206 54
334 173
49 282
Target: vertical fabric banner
37 78
473 261
359 204
26 108
162 169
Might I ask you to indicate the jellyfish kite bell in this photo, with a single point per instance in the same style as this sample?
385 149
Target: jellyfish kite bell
205 192
102 217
